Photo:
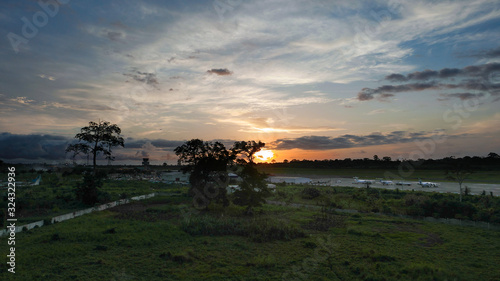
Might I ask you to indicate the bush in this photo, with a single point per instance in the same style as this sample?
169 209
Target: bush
88 190
310 193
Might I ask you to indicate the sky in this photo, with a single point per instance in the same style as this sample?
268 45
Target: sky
311 79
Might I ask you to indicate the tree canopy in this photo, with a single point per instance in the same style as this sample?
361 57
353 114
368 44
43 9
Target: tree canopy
208 164
97 138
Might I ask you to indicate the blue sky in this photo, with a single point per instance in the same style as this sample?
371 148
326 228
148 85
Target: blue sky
309 79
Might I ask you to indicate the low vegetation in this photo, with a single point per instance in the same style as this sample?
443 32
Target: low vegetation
482 207
166 239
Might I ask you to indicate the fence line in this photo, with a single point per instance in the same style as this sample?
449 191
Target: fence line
81 212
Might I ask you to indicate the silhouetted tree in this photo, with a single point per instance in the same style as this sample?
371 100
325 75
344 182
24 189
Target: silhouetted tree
493 155
97 138
253 189
207 162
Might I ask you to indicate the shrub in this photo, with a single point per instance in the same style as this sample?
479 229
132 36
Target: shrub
310 193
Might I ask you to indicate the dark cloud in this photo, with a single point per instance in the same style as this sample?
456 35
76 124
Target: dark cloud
487 54
349 141
423 75
386 90
220 71
495 53
40 147
482 71
475 77
449 72
159 143
144 77
396 77
166 143
33 146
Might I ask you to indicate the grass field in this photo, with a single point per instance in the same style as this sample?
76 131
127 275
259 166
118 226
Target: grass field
164 239
427 175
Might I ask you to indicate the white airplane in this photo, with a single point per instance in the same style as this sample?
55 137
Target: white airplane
383 182
427 183
357 180
403 183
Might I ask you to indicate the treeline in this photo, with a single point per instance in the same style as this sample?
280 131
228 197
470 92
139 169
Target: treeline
476 163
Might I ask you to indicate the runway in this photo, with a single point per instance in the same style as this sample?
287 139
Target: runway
444 187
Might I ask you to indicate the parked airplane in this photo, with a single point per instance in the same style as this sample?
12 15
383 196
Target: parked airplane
403 183
427 183
357 180
386 182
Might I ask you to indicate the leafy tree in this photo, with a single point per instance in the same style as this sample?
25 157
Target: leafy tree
375 157
97 138
208 164
253 189
493 155
459 173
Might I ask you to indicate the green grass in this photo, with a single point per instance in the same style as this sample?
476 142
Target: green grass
428 175
56 195
427 204
146 241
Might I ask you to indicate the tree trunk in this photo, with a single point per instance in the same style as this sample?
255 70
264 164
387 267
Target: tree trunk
460 184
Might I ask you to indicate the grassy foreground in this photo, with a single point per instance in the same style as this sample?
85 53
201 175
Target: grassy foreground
164 239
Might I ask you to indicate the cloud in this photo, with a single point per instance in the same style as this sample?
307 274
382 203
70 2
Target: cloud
155 143
44 76
32 147
494 53
462 96
488 54
474 77
483 71
144 77
220 71
349 141
386 90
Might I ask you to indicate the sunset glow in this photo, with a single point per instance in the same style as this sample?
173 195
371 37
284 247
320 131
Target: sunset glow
264 155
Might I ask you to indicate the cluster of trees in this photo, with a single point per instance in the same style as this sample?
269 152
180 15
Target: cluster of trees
209 165
488 163
207 162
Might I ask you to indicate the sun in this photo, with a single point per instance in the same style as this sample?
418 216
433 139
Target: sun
264 155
